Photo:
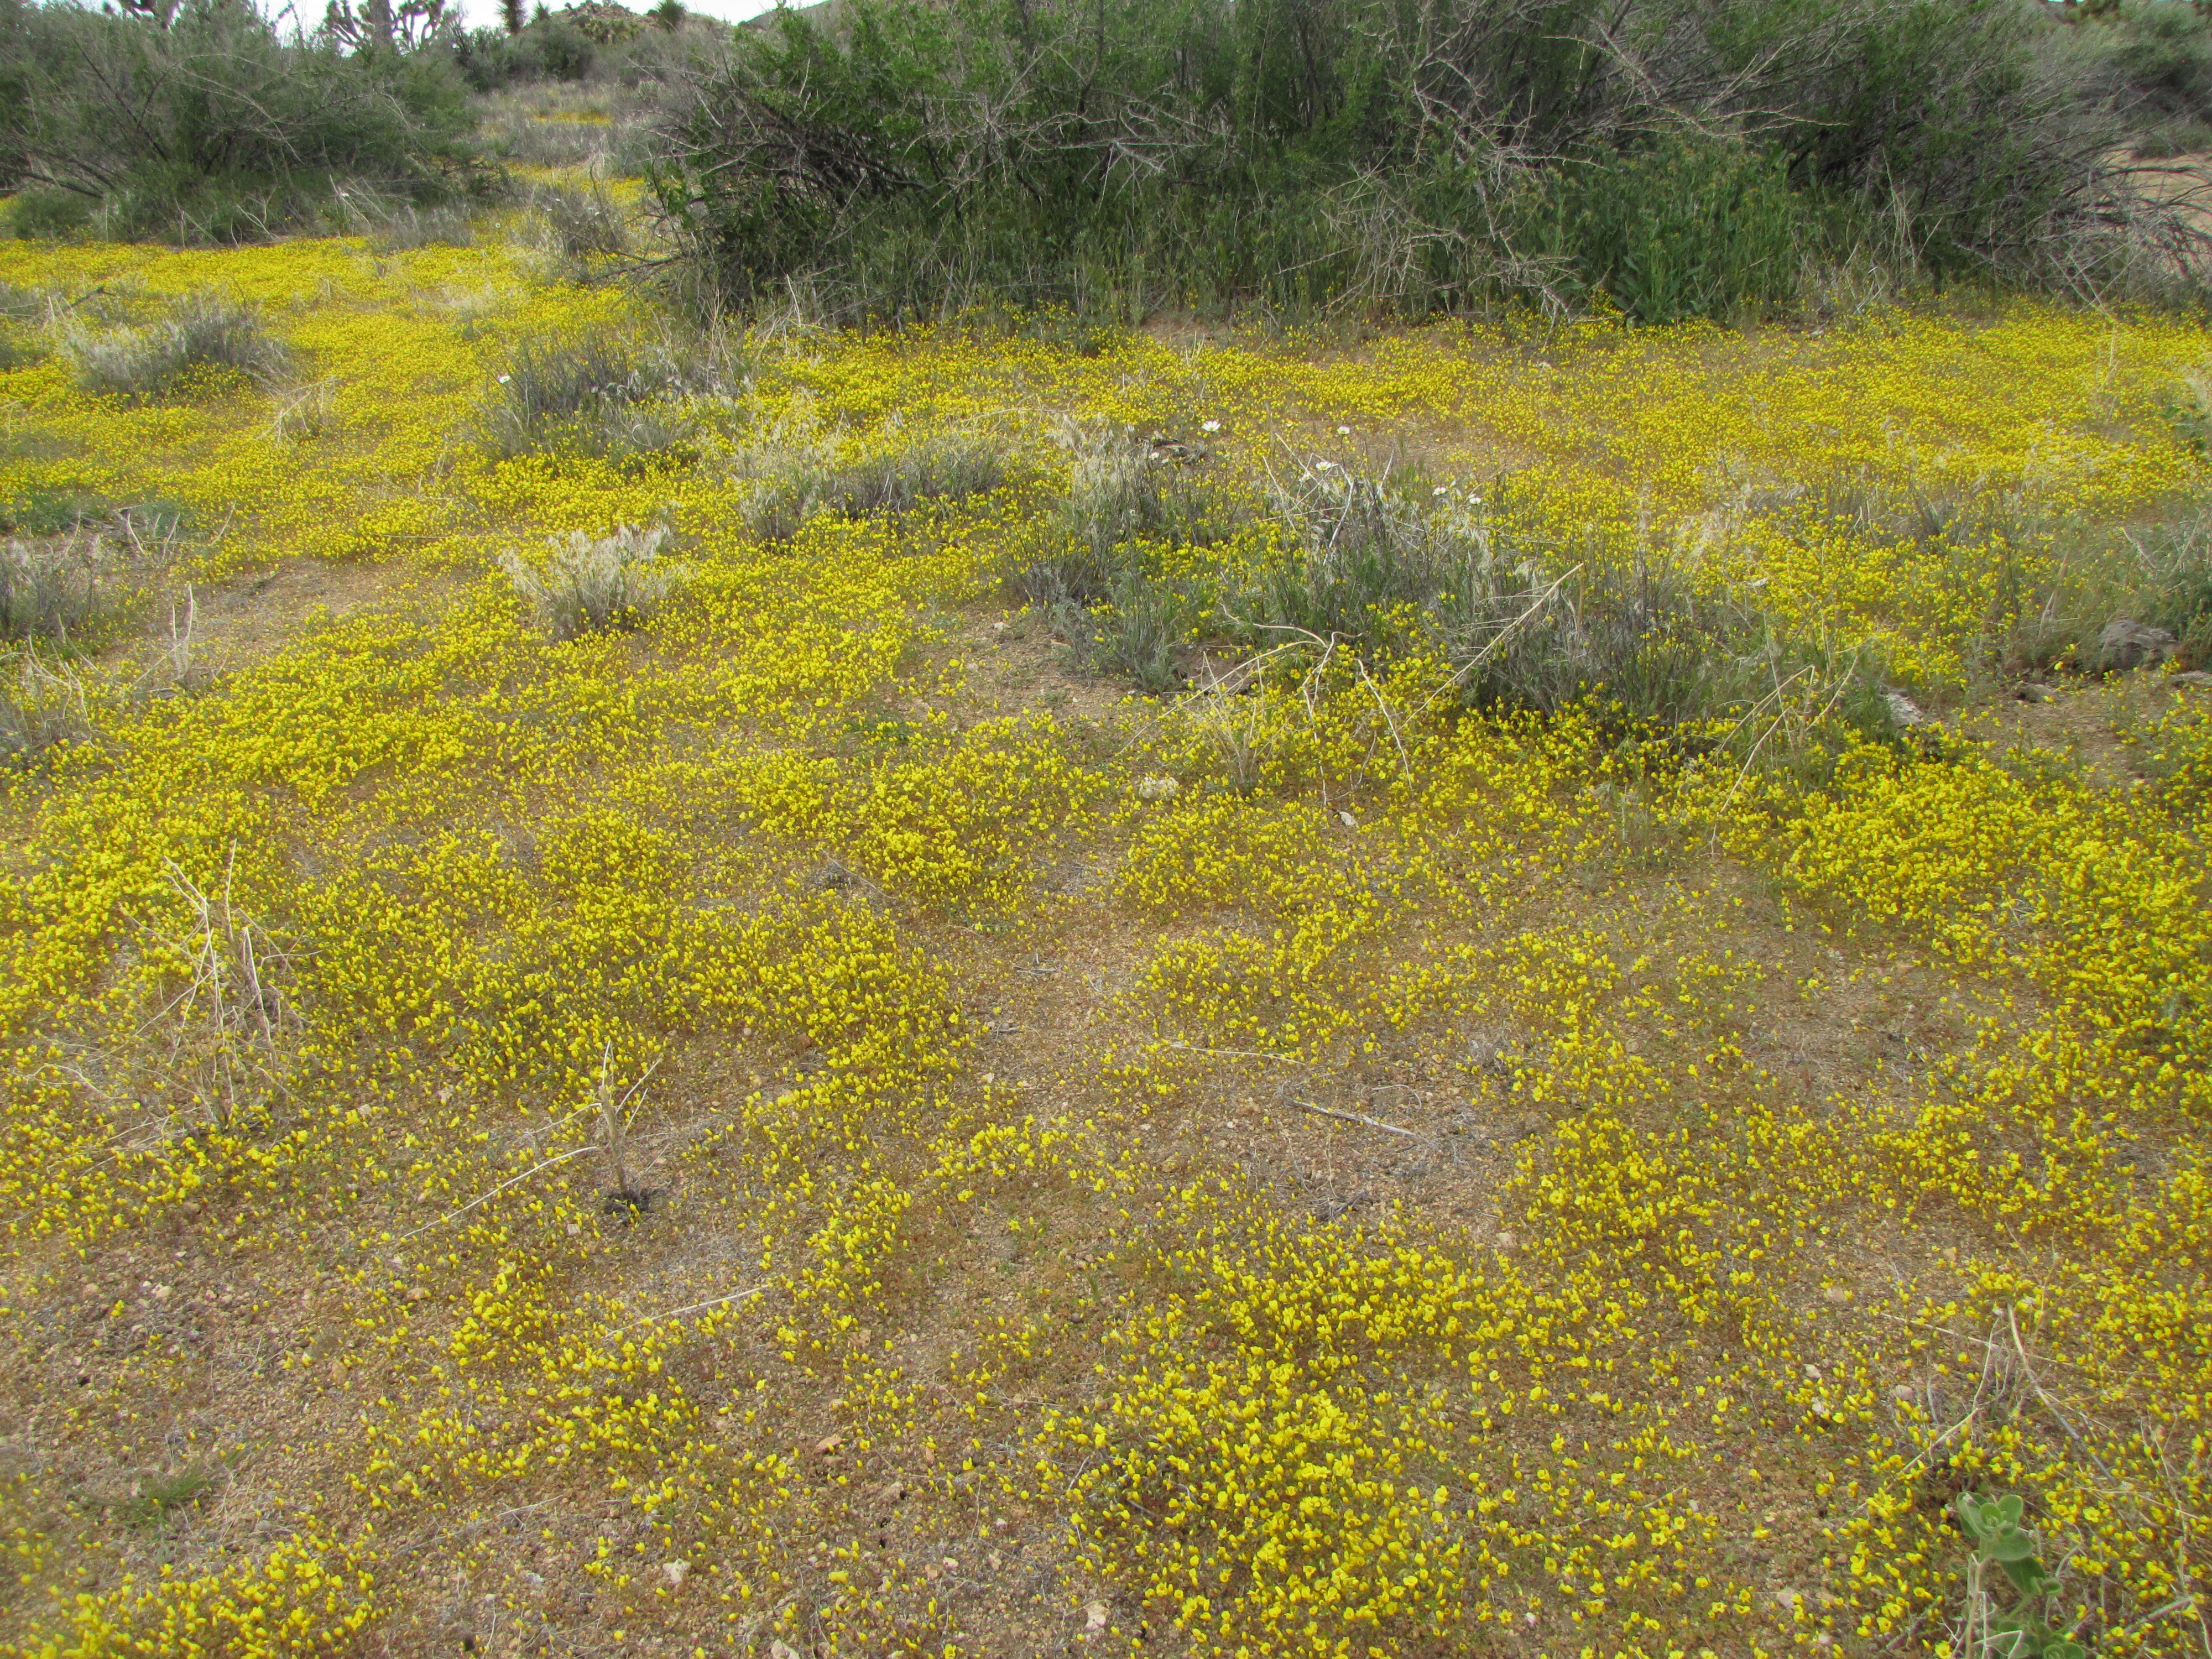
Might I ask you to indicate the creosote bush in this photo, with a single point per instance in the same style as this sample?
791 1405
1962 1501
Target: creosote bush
586 584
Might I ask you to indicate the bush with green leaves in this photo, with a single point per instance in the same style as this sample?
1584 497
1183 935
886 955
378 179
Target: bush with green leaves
2154 58
48 589
1687 225
579 224
1124 494
917 158
209 126
548 47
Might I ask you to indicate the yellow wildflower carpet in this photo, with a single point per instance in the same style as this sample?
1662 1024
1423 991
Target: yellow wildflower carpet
809 1123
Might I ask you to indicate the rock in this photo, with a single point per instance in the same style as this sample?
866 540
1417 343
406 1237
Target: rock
675 1572
2126 643
1158 789
2196 677
1902 710
1094 1615
782 1650
2031 692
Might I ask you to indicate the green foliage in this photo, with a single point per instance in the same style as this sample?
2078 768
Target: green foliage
1138 634
160 1498
1307 156
550 47
2154 58
214 129
1689 226
42 511
2023 1630
72 581
581 224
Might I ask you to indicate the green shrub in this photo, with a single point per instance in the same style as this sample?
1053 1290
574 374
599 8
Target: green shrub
49 215
1528 625
1364 551
42 706
550 47
2154 58
916 158
48 589
214 128
74 585
40 511
204 334
1689 226
19 348
579 224
1138 634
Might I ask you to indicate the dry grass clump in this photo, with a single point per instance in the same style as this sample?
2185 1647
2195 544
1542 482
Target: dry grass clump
798 480
72 585
588 584
225 1028
407 227
42 704
206 334
585 394
580 223
304 412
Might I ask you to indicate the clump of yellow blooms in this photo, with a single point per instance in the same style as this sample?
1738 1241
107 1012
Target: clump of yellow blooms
638 1218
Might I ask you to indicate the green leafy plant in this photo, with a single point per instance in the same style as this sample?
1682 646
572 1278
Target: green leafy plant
2024 1631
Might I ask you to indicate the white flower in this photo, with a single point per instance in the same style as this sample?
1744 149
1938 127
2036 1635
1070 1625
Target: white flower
1344 432
504 379
1325 466
1441 490
1211 426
